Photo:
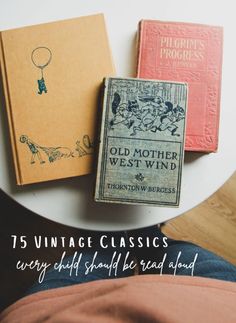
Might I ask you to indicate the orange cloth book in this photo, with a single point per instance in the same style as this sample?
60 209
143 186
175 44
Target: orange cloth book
51 76
192 53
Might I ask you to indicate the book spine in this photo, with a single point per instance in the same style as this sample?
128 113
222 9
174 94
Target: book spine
139 47
9 113
101 141
217 127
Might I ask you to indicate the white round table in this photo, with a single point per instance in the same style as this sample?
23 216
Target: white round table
70 201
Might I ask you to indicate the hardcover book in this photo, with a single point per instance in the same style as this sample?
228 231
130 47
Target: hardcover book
52 75
141 142
189 53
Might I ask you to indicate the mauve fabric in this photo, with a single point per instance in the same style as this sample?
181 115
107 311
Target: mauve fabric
144 298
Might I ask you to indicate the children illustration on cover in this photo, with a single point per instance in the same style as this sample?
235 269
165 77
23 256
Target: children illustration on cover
148 111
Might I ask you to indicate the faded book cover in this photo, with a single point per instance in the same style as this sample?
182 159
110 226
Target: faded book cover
141 142
191 53
52 75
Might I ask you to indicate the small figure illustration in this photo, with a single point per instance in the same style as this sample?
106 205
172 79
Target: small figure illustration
86 149
87 142
149 113
52 153
115 102
42 86
81 151
33 147
124 112
41 58
170 117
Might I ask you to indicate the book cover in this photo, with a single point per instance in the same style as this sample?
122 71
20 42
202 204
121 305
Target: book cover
141 142
52 74
191 53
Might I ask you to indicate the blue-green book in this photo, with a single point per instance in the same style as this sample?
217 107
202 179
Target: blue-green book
141 142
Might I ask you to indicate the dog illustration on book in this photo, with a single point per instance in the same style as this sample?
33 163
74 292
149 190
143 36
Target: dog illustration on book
53 153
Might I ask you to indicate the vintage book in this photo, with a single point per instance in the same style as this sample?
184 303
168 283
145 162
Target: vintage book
52 74
141 142
191 53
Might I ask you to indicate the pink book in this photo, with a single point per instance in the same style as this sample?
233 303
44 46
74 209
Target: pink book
192 53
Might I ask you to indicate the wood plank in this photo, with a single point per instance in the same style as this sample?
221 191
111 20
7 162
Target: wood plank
212 224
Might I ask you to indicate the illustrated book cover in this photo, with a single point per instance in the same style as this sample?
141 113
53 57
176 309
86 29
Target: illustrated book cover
141 142
191 53
52 74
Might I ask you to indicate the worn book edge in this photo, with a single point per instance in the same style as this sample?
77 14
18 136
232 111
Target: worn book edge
101 136
139 41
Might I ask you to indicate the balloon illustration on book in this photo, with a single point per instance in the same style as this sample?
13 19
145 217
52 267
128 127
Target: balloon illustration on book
41 58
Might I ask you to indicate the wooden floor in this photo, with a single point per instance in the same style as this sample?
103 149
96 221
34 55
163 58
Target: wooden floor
212 224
